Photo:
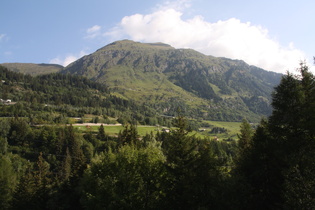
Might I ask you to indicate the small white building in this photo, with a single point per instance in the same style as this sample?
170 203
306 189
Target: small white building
5 101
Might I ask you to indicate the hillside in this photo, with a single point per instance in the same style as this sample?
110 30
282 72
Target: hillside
53 98
33 69
167 79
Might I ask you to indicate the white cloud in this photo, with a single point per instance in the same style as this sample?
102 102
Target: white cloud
93 29
93 32
67 59
2 37
179 5
226 38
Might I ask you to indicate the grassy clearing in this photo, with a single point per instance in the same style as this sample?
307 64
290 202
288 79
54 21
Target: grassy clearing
232 129
113 130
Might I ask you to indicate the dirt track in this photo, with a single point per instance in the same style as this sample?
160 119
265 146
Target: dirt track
94 124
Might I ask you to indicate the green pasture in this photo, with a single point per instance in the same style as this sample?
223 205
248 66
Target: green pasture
232 129
109 129
113 130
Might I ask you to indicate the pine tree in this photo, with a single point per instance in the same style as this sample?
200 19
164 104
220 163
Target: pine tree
78 165
18 132
279 165
78 162
3 145
42 181
181 156
66 167
245 137
299 174
129 135
8 181
244 147
101 133
23 197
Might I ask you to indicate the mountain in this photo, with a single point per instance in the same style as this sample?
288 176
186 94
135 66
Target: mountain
203 87
33 69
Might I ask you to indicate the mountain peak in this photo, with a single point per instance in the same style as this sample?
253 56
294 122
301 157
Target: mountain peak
158 74
127 44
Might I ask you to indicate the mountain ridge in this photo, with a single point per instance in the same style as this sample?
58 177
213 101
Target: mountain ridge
204 86
33 69
166 78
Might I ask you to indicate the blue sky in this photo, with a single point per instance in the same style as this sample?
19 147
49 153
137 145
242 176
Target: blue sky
274 35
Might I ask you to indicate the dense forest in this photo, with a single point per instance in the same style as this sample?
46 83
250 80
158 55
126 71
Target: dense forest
56 166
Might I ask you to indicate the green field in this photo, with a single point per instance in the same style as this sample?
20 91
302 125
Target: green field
232 129
113 130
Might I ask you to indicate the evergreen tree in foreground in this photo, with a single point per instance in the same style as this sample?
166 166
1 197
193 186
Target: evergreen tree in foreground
194 173
279 167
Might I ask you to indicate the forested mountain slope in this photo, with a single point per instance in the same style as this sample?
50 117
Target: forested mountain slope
54 97
167 78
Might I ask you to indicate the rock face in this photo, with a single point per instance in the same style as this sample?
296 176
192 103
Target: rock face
159 75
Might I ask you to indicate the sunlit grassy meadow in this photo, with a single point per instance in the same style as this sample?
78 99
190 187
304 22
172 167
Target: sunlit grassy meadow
113 130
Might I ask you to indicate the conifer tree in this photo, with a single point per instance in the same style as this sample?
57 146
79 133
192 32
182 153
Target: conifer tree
66 166
245 136
279 165
8 181
193 170
3 145
78 162
101 133
244 144
23 197
181 156
129 135
42 179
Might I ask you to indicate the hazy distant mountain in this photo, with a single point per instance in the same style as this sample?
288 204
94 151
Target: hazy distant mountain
33 69
167 78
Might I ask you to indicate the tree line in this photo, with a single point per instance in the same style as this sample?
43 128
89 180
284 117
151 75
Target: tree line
58 167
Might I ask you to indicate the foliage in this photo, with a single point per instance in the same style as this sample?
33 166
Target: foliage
245 137
217 130
278 164
141 174
51 98
129 179
8 181
65 166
